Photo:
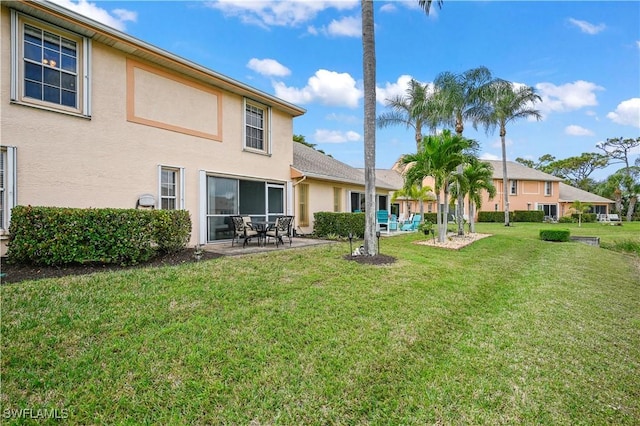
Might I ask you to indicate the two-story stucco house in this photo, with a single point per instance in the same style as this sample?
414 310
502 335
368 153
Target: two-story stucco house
529 189
92 117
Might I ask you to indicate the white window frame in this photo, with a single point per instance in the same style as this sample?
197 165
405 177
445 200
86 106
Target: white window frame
513 187
266 127
179 196
548 188
83 61
8 191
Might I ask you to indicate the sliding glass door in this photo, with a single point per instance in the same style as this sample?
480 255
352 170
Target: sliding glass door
227 196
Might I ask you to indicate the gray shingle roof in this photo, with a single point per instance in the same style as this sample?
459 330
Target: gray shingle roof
516 171
317 165
570 194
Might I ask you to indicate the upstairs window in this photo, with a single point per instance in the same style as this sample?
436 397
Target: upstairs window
49 66
513 187
547 188
256 127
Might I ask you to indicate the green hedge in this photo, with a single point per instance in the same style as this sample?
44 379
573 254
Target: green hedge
561 235
329 223
527 216
59 236
514 216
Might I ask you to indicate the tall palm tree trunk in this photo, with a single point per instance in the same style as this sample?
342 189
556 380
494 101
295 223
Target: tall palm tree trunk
472 212
369 75
505 180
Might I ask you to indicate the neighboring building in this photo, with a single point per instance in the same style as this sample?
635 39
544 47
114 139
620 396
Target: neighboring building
569 194
92 117
530 189
325 184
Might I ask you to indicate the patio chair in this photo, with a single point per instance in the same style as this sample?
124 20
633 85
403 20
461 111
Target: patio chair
413 225
382 219
242 229
393 223
282 228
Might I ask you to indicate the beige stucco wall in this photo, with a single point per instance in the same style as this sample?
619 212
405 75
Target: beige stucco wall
321 198
107 161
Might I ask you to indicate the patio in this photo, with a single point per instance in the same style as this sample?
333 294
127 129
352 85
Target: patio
225 248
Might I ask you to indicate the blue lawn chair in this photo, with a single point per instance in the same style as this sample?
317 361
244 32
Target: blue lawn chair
382 219
413 225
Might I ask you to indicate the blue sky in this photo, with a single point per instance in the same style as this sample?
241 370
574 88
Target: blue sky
583 58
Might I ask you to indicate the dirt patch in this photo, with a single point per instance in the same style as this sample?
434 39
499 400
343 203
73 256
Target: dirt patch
14 273
454 241
379 259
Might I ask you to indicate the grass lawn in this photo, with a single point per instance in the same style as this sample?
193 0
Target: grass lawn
509 330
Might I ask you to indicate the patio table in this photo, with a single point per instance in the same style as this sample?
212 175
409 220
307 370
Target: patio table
261 227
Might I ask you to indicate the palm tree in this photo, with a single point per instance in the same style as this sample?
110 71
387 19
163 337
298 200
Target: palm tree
477 176
438 156
369 83
506 103
412 192
410 111
580 208
459 99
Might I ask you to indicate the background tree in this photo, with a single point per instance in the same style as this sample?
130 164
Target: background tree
438 157
618 149
369 84
459 99
576 170
542 164
507 103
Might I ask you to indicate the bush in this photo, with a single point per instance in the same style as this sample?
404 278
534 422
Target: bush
59 236
586 217
534 216
328 223
567 219
497 217
561 235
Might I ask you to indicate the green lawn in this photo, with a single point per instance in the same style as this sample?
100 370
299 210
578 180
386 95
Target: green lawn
510 330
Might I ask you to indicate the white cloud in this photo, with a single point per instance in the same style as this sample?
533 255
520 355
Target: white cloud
575 130
347 27
116 19
567 97
487 156
638 44
388 7
627 113
342 118
393 90
326 87
335 136
268 67
288 13
587 27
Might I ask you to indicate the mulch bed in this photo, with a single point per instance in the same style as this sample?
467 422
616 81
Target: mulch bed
21 272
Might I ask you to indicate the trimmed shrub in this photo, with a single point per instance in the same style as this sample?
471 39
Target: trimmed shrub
59 236
171 229
561 235
567 219
330 223
496 217
534 216
430 217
